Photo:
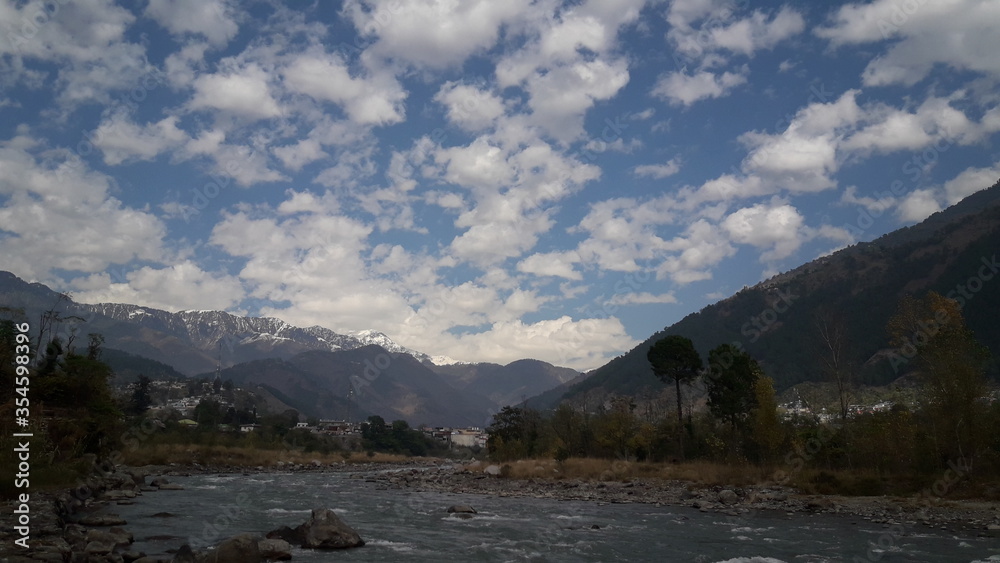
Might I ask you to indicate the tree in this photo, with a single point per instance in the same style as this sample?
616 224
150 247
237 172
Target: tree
833 340
141 399
766 426
931 333
674 358
513 433
730 383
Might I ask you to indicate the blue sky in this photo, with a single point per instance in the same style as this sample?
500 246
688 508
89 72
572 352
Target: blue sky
480 180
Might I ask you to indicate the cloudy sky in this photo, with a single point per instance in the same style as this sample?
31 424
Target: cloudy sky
478 179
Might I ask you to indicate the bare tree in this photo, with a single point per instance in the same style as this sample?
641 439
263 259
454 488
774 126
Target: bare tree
833 338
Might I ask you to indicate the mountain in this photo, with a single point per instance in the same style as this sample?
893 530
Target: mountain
189 341
309 368
505 385
361 381
952 252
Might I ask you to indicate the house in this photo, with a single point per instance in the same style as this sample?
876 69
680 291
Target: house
249 427
187 423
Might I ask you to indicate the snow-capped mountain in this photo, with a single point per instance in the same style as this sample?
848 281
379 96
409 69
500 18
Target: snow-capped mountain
234 339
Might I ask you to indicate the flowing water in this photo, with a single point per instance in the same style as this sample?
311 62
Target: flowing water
409 526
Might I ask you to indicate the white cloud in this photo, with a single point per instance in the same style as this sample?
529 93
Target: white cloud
641 298
178 287
431 33
958 33
557 264
376 99
658 171
681 88
213 19
61 215
121 139
917 206
560 97
469 107
694 253
776 228
243 92
970 181
749 35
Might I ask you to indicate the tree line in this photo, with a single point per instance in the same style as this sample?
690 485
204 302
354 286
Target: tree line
952 424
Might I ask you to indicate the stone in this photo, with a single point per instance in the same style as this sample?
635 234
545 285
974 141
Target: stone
728 497
275 549
462 509
325 530
99 548
159 481
241 548
492 470
132 556
184 555
290 535
102 520
171 487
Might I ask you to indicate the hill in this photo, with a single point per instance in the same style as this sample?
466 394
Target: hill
953 252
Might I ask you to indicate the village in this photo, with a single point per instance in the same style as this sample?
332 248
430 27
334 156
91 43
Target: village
186 403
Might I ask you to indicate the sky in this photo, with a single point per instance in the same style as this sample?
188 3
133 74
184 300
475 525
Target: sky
480 180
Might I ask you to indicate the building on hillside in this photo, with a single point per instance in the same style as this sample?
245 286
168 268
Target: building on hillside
249 427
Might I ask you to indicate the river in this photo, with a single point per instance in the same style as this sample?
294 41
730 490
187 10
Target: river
414 526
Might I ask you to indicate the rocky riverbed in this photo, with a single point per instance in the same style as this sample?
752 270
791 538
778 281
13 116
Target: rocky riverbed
66 527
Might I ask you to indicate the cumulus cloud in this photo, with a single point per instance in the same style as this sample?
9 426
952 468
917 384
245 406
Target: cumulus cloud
776 228
85 228
960 33
213 19
681 88
178 287
658 171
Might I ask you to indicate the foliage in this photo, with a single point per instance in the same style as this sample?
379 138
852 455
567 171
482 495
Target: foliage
514 433
730 384
395 438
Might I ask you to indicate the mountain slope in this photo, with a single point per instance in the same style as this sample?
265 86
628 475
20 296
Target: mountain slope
509 384
953 252
370 379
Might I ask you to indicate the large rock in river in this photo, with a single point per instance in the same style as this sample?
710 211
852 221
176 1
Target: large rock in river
241 548
323 530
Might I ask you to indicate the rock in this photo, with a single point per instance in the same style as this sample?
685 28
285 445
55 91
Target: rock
241 548
184 555
102 520
158 482
993 530
171 487
819 504
462 509
290 535
325 530
99 548
728 497
132 556
492 470
275 549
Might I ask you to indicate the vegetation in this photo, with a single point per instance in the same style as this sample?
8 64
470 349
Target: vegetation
905 448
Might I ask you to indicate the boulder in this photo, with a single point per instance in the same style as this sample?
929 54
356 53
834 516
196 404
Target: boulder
290 535
158 482
462 509
325 530
728 497
275 549
241 548
492 470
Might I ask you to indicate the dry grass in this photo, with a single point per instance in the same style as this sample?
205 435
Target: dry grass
187 454
593 469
